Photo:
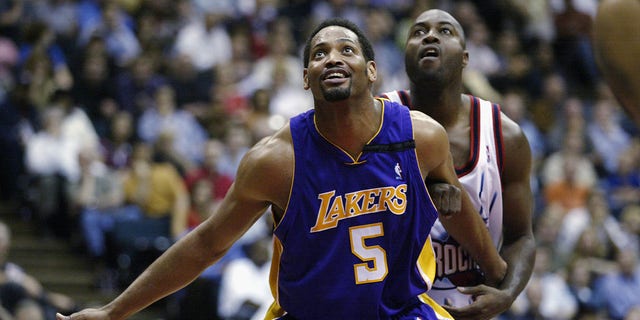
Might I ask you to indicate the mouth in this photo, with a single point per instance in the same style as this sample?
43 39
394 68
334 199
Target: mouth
429 52
335 76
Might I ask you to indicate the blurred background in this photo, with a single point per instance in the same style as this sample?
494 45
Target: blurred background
122 123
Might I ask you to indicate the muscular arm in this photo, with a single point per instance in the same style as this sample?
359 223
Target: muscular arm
465 226
518 247
248 198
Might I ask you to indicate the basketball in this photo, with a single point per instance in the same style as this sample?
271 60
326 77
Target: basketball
616 45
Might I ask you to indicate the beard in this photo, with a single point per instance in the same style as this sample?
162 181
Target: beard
336 94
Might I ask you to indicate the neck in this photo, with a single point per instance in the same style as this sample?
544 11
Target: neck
349 124
442 104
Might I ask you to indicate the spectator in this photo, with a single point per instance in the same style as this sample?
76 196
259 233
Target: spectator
630 222
51 161
28 309
61 17
573 48
10 13
16 285
158 203
548 295
37 74
113 26
568 175
165 118
205 40
135 86
99 202
581 278
95 88
623 185
596 220
117 145
484 58
237 141
245 283
606 134
619 291
39 38
209 170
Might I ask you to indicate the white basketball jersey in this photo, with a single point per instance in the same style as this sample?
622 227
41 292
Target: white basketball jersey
480 176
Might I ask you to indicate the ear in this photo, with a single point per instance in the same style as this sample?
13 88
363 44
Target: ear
305 79
372 72
465 58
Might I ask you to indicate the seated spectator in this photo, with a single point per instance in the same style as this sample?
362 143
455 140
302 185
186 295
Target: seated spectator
28 309
568 174
17 287
245 283
547 295
606 134
619 291
580 280
166 120
595 219
623 185
237 141
38 37
205 40
208 170
99 201
117 146
51 161
630 223
157 196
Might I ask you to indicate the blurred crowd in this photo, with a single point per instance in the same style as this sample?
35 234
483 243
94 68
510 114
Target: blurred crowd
122 123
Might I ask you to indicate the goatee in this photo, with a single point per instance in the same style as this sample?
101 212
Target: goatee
336 94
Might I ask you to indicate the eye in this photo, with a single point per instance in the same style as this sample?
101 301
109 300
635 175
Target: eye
318 54
348 49
419 32
446 30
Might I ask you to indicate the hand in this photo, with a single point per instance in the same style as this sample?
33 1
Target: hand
446 197
86 314
488 302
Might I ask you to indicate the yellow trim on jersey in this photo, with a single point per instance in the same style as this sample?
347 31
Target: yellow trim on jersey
275 310
440 312
357 159
426 263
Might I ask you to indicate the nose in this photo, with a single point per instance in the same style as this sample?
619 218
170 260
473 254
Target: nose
334 58
431 36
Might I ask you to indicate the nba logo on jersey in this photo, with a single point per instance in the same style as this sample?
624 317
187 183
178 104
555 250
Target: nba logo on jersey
398 171
488 154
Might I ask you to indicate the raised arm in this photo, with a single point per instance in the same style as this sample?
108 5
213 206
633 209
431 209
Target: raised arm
263 179
465 226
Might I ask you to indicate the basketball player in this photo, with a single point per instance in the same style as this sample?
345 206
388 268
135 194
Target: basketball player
616 44
493 162
346 184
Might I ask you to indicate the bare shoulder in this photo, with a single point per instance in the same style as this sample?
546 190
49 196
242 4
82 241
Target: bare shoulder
432 143
266 171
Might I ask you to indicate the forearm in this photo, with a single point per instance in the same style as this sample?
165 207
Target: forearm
469 230
177 267
520 258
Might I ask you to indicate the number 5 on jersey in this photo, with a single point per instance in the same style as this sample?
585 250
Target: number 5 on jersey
374 255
